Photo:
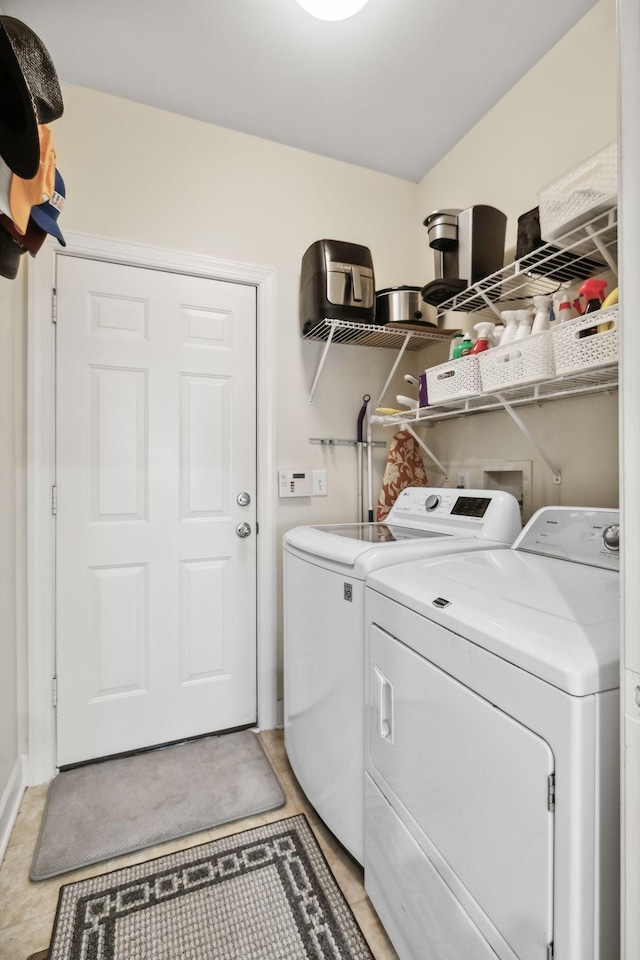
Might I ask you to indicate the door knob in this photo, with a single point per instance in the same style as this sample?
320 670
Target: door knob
243 530
243 499
611 537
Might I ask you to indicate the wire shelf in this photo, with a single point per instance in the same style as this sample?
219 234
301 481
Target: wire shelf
584 252
370 335
601 380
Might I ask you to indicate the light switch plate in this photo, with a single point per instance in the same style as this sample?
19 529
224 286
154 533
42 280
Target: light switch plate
319 486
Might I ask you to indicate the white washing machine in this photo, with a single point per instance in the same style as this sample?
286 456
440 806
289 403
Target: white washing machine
324 582
491 784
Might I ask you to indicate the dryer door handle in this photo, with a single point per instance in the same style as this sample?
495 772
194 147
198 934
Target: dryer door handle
384 705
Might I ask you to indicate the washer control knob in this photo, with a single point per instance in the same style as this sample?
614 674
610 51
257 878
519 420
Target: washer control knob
611 537
432 502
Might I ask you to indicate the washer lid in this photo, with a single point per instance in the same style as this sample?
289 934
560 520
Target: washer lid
348 543
556 619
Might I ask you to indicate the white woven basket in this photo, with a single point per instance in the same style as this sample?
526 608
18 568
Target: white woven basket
453 380
523 361
579 194
574 353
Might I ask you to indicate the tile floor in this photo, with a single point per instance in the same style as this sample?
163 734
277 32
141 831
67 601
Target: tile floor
27 909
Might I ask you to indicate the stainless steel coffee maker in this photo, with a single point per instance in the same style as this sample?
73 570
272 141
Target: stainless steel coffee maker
468 245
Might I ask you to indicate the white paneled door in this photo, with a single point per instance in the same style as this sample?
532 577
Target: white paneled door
155 484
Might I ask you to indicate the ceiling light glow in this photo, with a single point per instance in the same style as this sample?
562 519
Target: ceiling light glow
332 9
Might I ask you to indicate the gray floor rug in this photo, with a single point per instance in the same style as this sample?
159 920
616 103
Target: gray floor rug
104 810
263 894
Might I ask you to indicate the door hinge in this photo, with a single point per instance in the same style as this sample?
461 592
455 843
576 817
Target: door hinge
55 691
54 500
550 953
551 792
54 306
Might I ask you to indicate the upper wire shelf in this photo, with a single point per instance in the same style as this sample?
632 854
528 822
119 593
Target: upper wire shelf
581 253
370 335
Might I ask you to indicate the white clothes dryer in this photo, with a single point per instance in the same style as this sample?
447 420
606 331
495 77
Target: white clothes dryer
491 785
325 569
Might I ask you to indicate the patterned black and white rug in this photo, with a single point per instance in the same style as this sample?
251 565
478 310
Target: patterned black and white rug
266 893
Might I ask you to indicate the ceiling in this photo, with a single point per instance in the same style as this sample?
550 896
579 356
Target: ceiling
391 89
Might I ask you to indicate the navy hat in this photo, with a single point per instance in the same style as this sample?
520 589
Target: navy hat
29 95
46 214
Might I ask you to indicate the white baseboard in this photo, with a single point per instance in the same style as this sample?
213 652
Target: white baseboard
10 801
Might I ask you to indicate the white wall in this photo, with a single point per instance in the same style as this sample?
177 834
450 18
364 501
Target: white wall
12 526
564 109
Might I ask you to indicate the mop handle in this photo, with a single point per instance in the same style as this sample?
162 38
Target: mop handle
369 472
361 415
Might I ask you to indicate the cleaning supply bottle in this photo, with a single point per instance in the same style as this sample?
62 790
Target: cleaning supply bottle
565 310
456 339
464 347
510 321
542 319
496 335
524 324
593 292
484 331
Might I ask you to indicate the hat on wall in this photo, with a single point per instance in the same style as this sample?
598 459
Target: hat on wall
25 194
9 255
29 95
32 240
46 214
5 187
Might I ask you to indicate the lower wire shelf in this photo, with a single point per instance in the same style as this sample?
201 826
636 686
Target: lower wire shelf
600 380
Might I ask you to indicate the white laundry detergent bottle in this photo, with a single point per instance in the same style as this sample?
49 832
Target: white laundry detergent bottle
524 323
510 320
542 319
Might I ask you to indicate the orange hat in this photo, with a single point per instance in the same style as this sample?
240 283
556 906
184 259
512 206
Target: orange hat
25 194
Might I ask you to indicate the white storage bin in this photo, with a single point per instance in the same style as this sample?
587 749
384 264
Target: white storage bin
522 361
453 380
580 194
574 354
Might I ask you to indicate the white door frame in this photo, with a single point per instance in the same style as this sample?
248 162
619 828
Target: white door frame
41 470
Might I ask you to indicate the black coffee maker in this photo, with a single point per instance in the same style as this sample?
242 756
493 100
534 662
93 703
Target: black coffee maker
337 283
468 245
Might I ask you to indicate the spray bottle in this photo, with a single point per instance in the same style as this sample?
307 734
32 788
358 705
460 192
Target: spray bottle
524 324
565 310
542 318
510 321
484 331
593 291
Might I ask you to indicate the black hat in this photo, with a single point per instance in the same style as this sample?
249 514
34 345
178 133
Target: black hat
29 95
9 255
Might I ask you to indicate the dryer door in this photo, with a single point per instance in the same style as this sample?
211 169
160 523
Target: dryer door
474 781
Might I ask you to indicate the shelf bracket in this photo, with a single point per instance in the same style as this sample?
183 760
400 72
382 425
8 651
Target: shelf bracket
490 304
609 260
321 364
407 426
401 351
557 476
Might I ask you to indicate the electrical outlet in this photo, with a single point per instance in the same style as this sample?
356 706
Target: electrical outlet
462 479
319 483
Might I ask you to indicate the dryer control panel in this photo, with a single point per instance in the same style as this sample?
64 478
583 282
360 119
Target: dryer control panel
580 534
